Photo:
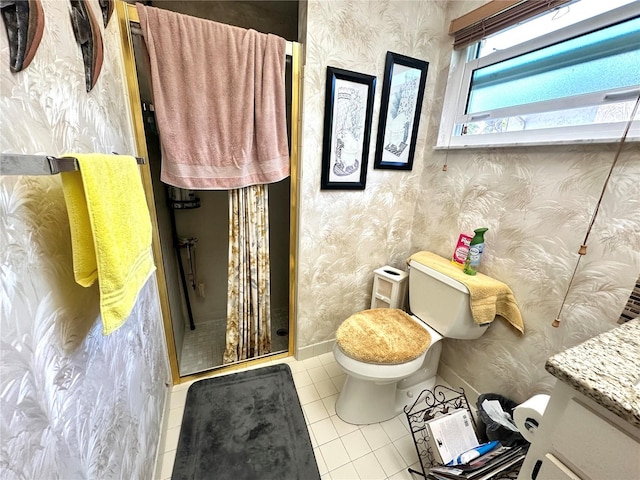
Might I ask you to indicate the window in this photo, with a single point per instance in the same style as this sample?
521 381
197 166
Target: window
570 75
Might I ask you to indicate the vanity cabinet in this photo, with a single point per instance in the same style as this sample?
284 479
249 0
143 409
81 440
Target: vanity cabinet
578 439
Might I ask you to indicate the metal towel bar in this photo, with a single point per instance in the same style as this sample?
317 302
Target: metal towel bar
18 164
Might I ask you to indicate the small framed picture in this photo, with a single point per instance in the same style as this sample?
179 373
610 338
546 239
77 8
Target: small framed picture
347 129
402 94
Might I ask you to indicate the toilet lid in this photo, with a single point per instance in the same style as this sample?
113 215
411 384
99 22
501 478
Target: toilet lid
382 335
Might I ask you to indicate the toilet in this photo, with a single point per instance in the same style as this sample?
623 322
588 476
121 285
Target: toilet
389 356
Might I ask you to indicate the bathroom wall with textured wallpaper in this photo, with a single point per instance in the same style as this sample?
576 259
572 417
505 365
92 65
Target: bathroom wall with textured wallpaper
537 203
74 403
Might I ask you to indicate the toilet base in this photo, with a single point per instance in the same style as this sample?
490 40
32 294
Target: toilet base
364 400
383 401
407 396
378 401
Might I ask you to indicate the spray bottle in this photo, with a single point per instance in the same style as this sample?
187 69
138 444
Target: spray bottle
476 247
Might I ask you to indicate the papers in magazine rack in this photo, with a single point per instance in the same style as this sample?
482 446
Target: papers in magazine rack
502 462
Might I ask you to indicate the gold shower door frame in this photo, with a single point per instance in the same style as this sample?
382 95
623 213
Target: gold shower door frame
127 13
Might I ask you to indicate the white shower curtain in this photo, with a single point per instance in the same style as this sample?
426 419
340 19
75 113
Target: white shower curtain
248 304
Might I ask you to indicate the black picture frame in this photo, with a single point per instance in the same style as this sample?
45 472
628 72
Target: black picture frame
348 114
400 108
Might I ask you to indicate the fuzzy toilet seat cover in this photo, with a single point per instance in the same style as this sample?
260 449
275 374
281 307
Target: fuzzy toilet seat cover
382 335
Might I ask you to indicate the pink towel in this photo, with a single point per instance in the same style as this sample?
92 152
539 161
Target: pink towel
219 98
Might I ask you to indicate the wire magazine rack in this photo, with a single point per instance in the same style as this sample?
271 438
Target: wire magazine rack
432 404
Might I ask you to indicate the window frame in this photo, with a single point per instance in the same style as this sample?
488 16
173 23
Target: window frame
461 70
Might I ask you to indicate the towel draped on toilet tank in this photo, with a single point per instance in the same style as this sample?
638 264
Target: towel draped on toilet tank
219 97
488 297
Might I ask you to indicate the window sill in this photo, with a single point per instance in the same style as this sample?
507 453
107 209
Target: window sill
541 138
534 144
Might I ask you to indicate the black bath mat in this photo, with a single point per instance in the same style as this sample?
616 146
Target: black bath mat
247 425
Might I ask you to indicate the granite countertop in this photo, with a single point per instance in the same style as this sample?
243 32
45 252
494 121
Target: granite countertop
606 369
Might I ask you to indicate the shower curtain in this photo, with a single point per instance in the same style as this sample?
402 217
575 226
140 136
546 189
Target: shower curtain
248 305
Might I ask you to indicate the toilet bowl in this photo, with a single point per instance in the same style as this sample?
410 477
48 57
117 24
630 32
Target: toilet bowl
377 388
371 392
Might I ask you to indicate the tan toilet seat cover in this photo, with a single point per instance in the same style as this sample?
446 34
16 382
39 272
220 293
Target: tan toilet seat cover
382 335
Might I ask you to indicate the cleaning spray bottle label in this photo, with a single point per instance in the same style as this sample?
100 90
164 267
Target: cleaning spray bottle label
462 250
475 253
476 247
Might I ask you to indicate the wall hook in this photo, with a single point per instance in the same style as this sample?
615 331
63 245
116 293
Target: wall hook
24 22
87 32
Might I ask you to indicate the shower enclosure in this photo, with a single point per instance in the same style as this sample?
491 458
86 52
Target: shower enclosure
193 240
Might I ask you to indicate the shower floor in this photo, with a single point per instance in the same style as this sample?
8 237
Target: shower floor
203 348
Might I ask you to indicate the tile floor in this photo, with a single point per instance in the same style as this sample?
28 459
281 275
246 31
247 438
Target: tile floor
203 348
344 452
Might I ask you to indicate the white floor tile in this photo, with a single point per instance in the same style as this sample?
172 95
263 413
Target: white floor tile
296 366
313 362
326 358
403 474
338 381
325 388
356 445
314 442
369 468
342 427
330 404
324 431
334 454
375 435
326 476
322 467
417 467
394 428
390 459
318 374
181 386
346 472
167 464
315 411
171 440
175 417
287 360
407 449
307 394
333 369
177 398
405 422
301 379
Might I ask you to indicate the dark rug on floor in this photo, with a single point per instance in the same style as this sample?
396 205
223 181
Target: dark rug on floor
246 425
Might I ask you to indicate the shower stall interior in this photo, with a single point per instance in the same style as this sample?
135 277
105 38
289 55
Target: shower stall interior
193 225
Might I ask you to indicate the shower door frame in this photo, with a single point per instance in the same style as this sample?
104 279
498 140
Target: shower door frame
127 14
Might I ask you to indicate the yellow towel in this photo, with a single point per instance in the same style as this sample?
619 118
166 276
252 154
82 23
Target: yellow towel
110 231
489 297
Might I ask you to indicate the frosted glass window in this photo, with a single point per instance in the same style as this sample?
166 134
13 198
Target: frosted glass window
599 61
571 75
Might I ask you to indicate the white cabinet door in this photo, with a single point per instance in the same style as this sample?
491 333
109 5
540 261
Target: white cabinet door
594 447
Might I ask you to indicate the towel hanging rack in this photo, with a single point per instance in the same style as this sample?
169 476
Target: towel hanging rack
18 164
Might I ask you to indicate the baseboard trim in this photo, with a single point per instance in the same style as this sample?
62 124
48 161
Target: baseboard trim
456 381
314 350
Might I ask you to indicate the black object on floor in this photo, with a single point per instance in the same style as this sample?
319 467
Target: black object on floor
246 425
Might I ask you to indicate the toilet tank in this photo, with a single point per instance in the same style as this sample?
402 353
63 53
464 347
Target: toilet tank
442 303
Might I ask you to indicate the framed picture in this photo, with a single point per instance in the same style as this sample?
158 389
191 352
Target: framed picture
347 129
402 94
